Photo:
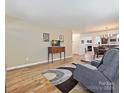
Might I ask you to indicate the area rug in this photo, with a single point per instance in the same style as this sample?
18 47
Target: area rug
79 89
62 78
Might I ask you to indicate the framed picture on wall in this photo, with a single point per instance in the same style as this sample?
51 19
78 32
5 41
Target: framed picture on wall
88 41
82 41
61 38
46 37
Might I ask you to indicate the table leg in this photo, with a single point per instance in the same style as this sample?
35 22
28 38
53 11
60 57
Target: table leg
64 55
60 55
48 57
97 55
52 57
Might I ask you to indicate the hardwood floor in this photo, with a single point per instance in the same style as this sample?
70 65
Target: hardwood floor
30 80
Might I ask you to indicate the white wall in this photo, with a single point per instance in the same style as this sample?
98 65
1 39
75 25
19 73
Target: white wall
83 47
24 42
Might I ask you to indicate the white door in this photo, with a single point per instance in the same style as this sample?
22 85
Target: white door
75 43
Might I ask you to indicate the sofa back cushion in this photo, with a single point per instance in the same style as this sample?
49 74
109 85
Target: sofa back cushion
112 70
110 63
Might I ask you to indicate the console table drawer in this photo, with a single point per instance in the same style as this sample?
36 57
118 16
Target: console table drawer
55 50
62 49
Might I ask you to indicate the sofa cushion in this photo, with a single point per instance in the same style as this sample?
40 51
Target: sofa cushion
110 64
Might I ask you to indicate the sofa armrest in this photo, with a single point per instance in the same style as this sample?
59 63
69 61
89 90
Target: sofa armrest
84 71
89 66
91 79
95 63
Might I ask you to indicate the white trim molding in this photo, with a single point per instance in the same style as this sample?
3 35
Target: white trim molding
35 63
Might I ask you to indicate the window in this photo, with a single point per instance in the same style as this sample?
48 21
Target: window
97 39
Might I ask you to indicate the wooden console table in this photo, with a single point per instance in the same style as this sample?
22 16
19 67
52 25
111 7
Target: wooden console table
53 50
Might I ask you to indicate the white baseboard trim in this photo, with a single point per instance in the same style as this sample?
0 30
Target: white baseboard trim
36 63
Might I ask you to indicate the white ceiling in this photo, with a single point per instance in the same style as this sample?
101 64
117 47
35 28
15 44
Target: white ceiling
72 14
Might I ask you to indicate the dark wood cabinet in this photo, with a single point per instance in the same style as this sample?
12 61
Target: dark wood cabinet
53 50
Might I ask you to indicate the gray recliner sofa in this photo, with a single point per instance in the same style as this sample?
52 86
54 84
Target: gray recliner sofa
103 77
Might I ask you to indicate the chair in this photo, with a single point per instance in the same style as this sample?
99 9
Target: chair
104 78
95 51
99 51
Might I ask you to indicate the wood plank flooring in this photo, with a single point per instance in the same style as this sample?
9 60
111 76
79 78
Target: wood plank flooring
30 80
